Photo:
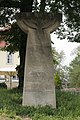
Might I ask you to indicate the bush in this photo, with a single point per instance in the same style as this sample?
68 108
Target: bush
3 85
57 80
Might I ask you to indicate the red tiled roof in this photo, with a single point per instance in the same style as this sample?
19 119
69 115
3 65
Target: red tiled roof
2 44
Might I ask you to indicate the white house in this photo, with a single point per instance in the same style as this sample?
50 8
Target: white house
8 62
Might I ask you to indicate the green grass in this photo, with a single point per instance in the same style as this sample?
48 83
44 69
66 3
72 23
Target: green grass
68 107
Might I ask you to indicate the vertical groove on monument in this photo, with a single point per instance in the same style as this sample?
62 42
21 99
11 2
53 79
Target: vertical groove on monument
39 88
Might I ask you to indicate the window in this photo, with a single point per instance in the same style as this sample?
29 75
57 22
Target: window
9 58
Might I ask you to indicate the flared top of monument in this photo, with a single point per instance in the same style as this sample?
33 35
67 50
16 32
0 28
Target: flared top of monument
39 20
40 15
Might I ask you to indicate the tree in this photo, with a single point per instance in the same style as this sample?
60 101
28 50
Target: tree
74 70
57 80
69 8
58 57
60 71
70 26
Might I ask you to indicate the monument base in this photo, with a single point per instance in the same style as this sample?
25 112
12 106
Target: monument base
39 89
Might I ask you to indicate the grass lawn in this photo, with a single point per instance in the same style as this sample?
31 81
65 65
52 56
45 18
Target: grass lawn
68 107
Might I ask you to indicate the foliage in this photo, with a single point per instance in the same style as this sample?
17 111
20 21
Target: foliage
64 75
60 71
69 8
12 37
70 25
57 80
3 85
71 14
58 57
7 15
74 70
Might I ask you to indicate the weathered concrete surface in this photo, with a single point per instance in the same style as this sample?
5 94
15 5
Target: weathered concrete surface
39 88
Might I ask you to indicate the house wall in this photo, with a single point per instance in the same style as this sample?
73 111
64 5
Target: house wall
3 59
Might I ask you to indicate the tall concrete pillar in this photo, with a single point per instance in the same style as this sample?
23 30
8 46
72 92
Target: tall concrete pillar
39 88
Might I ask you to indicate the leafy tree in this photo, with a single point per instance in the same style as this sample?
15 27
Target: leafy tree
74 70
60 71
70 25
58 57
69 8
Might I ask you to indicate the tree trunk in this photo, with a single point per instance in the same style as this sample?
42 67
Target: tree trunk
22 52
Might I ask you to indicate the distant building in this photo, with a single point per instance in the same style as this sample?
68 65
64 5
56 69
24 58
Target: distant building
8 60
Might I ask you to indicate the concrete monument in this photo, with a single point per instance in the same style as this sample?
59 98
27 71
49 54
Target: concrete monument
39 88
